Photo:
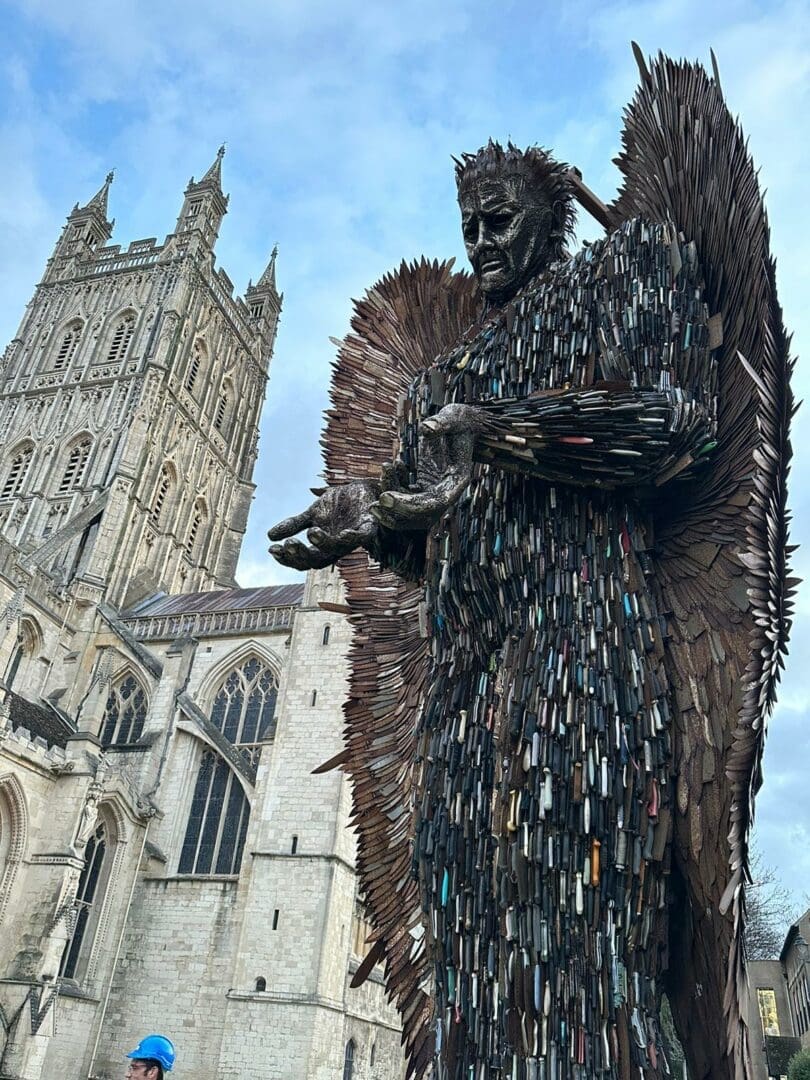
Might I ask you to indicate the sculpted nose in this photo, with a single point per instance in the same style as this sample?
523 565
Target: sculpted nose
482 239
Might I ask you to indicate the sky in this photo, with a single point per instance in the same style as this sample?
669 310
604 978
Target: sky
340 119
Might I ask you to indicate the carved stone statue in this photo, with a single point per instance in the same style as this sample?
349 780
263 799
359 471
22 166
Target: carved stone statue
89 816
569 631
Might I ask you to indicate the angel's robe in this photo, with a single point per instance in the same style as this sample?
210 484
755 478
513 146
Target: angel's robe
543 784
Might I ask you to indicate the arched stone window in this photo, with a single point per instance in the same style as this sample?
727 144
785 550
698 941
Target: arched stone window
122 336
13 835
76 464
217 821
89 901
362 932
223 407
67 345
165 485
29 644
244 706
348 1060
17 470
5 833
124 713
326 631
199 516
195 362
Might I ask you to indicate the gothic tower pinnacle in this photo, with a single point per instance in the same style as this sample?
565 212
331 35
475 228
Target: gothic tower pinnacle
129 406
87 229
204 204
263 299
99 200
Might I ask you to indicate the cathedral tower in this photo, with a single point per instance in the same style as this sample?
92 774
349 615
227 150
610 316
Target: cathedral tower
168 860
129 406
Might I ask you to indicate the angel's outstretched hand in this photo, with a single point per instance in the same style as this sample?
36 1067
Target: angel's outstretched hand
337 522
446 446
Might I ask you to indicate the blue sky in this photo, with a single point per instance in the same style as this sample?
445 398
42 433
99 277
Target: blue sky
340 119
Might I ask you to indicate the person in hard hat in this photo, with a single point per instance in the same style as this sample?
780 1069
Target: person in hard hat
151 1058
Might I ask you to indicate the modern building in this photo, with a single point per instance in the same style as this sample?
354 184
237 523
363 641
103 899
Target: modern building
168 862
779 1003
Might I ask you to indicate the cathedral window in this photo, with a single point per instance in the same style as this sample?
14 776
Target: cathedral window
67 346
161 496
122 335
193 369
361 931
89 898
257 309
222 411
17 472
245 705
348 1060
124 713
217 822
29 643
198 517
76 465
326 631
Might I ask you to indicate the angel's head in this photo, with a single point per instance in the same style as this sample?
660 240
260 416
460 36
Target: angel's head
517 212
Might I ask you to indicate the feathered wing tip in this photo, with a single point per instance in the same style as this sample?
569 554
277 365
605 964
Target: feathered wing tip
724 543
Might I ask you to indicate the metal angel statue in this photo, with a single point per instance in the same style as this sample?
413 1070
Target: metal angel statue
570 603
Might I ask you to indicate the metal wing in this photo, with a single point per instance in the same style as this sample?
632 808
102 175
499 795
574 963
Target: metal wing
399 327
723 544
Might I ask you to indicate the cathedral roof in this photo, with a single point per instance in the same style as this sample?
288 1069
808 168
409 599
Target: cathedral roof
220 600
40 721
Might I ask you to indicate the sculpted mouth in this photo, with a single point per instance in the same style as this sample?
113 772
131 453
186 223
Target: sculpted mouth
489 264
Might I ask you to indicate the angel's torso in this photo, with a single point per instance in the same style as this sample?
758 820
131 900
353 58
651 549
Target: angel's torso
544 745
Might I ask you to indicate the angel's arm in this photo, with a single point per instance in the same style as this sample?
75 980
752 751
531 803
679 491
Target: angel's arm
606 436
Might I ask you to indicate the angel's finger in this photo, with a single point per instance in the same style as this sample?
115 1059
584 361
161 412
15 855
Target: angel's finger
292 525
406 514
298 556
327 543
433 499
382 517
451 419
345 540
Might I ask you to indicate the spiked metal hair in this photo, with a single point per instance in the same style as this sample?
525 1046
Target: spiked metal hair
536 168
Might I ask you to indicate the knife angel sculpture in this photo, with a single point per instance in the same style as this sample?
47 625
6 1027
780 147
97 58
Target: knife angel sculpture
570 629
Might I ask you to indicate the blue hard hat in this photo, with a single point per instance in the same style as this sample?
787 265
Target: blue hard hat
155 1048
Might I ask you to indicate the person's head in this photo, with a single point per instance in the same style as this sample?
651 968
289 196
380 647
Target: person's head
144 1069
516 214
151 1058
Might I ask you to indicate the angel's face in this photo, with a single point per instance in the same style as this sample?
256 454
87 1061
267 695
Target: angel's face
506 230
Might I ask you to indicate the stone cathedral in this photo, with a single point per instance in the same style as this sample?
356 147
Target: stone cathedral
168 862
